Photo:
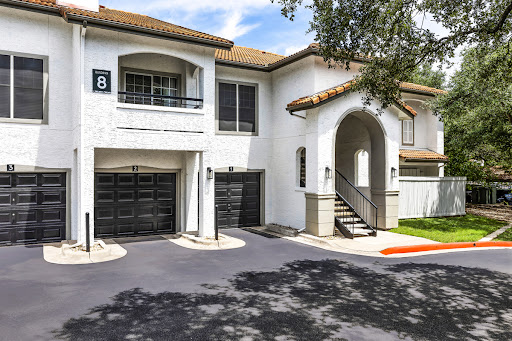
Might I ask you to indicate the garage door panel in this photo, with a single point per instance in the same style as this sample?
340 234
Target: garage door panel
25 217
5 199
126 180
126 196
5 181
166 179
53 198
104 230
104 213
5 236
105 180
26 198
105 196
26 235
237 196
147 195
25 180
53 180
53 215
145 204
54 232
5 218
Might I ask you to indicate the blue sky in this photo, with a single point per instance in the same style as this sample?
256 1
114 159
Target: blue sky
252 23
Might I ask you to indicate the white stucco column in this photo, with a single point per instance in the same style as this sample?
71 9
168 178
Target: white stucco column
206 197
85 193
319 194
191 191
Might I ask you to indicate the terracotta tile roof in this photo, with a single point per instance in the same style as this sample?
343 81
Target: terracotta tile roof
139 20
416 87
47 3
421 155
248 55
307 102
130 20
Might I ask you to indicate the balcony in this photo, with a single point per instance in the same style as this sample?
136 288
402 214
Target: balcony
159 100
160 81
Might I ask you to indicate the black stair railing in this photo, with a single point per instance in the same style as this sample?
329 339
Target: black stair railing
357 201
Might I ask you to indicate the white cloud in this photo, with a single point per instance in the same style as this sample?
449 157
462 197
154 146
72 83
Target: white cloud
232 26
293 49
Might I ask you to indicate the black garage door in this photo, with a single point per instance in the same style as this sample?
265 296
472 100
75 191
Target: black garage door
32 208
237 196
134 204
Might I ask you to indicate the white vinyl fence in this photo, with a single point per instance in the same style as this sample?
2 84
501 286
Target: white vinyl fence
423 197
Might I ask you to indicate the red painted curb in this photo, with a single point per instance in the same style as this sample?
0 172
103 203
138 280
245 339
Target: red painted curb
447 246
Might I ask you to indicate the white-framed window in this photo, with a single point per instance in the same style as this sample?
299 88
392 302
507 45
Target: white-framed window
362 168
140 86
237 108
22 88
301 167
408 132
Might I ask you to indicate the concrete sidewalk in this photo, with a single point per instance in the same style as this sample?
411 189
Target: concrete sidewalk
368 246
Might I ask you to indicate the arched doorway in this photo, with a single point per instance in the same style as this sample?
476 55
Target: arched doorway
360 167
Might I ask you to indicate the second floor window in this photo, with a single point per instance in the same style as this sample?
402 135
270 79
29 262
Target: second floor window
21 87
408 132
151 89
236 108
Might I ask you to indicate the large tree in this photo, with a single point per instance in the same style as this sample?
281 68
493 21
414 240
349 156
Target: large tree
397 37
477 112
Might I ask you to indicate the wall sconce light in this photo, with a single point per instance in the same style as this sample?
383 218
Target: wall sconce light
328 173
209 173
394 173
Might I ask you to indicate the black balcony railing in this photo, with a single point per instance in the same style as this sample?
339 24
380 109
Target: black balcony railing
160 100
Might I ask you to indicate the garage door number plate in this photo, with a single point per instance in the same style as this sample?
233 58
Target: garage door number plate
10 168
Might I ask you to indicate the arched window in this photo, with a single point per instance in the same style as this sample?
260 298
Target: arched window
301 167
362 168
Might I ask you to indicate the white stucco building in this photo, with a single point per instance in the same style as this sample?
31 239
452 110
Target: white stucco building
147 127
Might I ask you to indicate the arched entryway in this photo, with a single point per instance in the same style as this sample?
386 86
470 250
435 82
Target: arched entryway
360 168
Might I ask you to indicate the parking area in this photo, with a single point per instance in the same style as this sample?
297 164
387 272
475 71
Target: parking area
271 288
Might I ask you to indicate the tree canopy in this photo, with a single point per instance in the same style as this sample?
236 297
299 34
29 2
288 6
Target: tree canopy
477 112
395 37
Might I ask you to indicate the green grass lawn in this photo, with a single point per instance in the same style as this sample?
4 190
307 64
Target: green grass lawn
505 236
469 228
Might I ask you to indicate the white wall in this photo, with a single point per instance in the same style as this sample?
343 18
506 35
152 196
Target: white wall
423 197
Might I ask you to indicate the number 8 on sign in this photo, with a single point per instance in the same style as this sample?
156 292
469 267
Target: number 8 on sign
102 82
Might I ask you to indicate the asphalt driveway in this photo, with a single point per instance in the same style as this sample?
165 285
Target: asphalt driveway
271 289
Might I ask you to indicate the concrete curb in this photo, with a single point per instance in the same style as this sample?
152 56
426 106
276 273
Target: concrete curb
63 254
445 246
191 241
496 233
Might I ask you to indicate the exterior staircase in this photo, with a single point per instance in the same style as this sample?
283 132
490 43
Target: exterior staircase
354 214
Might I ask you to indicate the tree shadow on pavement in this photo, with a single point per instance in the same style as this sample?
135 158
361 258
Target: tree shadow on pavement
315 300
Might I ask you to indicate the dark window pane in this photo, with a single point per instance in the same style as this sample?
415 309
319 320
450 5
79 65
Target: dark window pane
5 70
247 108
227 107
28 103
130 78
157 81
5 101
147 80
28 88
28 73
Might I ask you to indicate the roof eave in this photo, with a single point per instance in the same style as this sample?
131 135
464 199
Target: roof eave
107 24
405 159
30 7
419 92
241 65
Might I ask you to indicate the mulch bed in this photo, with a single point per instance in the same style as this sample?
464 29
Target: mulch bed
498 211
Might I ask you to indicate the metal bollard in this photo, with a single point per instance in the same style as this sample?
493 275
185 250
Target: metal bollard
216 222
87 234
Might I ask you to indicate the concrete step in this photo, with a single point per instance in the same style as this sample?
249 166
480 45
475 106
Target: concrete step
344 214
341 208
356 225
350 220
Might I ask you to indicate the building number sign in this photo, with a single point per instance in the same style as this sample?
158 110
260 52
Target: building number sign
101 81
10 168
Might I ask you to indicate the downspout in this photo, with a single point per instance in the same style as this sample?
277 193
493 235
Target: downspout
83 31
